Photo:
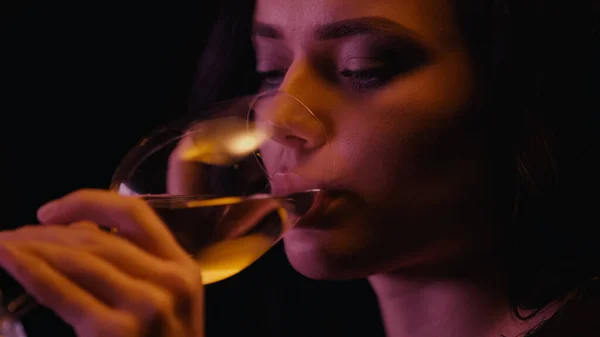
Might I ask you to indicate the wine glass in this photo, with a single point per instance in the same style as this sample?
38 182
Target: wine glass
205 176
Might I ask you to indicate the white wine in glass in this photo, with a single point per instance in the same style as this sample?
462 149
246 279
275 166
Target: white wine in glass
206 180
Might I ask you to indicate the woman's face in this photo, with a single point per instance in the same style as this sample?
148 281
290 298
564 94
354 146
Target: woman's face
392 84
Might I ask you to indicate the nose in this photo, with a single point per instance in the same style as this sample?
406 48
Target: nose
296 113
291 123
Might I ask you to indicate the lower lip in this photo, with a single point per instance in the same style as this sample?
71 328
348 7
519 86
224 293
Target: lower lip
320 214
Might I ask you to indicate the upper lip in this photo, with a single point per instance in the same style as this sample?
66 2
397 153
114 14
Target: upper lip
288 183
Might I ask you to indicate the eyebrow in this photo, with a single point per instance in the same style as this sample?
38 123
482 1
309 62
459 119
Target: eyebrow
340 29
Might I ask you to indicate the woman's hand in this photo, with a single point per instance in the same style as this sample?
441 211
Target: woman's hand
137 283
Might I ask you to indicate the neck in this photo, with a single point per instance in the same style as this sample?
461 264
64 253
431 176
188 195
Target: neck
452 305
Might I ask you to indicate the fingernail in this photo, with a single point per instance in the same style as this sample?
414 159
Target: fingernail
45 212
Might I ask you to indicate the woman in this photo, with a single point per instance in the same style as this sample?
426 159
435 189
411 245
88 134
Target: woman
458 190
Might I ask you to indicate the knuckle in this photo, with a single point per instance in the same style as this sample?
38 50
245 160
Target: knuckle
134 207
87 238
185 282
85 225
152 304
126 325
162 302
118 324
114 324
93 247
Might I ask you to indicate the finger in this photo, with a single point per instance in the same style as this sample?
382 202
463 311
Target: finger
131 217
115 250
96 276
50 288
101 279
78 224
184 176
85 225
109 284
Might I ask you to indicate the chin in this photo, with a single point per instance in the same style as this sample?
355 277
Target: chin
341 241
322 255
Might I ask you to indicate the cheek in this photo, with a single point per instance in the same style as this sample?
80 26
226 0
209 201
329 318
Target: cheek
369 158
409 134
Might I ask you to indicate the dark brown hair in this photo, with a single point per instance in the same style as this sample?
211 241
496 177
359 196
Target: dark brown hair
537 59
536 63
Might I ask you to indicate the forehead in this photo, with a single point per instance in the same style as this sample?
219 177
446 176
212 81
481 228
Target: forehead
433 20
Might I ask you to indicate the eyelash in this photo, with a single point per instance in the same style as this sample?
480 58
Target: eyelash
361 80
365 79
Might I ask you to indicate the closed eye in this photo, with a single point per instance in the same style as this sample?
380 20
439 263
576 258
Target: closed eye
368 78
